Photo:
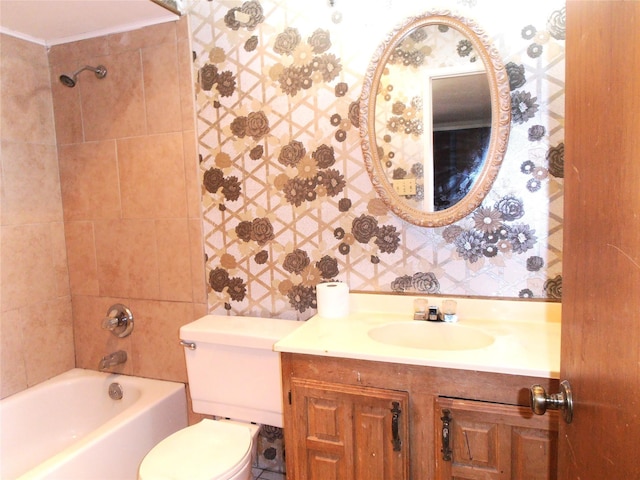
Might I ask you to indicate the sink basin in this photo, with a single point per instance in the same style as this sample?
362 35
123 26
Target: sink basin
431 336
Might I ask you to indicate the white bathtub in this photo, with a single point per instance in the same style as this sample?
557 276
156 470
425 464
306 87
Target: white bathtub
69 428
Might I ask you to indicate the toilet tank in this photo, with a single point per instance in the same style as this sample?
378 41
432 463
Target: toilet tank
233 371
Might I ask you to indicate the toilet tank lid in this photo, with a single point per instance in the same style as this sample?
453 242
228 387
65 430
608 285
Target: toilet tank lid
251 332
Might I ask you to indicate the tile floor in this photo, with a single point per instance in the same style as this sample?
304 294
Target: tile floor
259 474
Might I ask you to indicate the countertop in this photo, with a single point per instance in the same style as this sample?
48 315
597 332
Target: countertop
526 335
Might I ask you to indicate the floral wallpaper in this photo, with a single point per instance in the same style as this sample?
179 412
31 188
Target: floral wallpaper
287 200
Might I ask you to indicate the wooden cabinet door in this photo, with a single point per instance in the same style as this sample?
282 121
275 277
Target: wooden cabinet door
494 441
343 432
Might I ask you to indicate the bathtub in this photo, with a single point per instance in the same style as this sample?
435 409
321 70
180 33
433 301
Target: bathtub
69 428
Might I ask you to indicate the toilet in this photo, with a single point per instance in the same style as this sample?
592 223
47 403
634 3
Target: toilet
234 375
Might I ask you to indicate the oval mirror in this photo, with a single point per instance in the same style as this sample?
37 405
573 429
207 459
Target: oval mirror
435 112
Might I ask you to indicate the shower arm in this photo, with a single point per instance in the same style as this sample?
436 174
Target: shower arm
100 71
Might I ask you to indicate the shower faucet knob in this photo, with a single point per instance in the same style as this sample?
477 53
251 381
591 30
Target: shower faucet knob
109 323
119 320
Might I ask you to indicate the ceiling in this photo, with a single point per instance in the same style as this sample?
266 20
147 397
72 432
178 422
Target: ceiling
50 22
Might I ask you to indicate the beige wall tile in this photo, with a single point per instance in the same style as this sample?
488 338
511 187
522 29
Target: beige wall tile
113 107
89 179
2 187
199 310
12 366
28 117
112 257
182 28
185 72
174 263
79 52
143 270
28 275
192 175
152 176
156 349
162 88
18 50
27 108
31 184
83 266
59 259
48 340
127 258
198 275
143 37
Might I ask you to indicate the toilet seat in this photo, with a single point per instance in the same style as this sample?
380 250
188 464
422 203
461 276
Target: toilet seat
209 450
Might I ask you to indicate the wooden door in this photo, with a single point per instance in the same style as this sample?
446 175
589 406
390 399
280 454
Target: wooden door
342 432
490 441
601 259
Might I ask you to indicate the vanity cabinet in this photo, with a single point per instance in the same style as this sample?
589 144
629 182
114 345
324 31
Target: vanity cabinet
482 440
342 431
341 422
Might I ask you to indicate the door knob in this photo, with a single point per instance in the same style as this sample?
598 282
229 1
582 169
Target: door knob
563 400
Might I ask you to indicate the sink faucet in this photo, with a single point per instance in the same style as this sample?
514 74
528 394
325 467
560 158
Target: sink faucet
113 359
423 311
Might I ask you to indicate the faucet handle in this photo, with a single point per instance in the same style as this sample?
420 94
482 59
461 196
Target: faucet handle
119 320
109 323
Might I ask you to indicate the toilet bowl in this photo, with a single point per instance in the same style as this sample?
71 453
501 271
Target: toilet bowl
233 373
209 450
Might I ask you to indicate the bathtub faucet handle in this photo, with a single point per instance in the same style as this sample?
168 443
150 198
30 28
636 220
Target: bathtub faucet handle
119 320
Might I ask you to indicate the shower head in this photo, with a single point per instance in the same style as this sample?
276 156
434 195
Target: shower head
70 80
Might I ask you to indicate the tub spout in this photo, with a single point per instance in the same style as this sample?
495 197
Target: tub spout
113 359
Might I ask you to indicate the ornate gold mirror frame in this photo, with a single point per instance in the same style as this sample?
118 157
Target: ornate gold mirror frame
500 119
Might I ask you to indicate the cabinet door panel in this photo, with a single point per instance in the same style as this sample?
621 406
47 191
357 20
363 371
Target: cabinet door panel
323 467
345 433
369 434
494 441
323 437
376 457
325 420
476 444
534 453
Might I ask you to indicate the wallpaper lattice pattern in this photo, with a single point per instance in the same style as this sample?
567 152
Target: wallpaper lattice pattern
287 201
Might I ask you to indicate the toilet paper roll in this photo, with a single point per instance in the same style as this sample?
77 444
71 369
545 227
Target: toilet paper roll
333 299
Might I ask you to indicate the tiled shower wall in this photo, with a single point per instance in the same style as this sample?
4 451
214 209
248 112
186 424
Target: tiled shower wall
126 150
287 200
36 331
123 179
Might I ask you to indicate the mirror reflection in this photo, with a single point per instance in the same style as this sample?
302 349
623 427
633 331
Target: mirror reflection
434 132
433 82
461 113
